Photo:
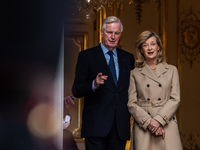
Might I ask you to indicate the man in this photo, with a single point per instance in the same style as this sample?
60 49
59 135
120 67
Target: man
105 120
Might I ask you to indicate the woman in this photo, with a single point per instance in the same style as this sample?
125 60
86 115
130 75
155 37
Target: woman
154 97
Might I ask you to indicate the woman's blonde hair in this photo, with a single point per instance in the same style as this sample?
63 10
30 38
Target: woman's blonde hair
140 60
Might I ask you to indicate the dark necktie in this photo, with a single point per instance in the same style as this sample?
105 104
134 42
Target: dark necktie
112 67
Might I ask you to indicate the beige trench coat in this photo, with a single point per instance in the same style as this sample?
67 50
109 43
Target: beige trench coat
154 95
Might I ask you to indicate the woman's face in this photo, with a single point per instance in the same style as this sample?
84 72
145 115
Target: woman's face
150 49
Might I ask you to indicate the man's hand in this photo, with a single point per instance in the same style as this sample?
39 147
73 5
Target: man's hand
68 100
100 78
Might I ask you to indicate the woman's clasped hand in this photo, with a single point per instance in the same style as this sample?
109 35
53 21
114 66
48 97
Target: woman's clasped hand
156 128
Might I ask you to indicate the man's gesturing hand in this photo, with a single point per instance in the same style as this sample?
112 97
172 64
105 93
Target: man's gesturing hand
100 78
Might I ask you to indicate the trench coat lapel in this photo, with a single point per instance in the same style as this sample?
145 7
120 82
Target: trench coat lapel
160 69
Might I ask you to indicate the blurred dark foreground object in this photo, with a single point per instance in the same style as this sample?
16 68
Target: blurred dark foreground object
30 49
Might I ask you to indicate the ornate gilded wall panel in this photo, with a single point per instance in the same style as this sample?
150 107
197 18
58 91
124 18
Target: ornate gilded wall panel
190 37
190 141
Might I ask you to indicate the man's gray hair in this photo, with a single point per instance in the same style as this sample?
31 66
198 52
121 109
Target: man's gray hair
111 19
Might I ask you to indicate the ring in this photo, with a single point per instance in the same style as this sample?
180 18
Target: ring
153 129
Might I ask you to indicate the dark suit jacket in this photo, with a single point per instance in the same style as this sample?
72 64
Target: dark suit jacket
108 101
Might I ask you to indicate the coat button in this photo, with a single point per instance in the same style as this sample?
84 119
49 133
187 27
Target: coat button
159 99
160 85
148 99
148 85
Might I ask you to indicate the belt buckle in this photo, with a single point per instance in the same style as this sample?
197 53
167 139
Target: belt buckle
152 104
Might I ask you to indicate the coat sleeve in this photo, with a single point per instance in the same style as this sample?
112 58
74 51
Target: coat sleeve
138 113
170 108
82 86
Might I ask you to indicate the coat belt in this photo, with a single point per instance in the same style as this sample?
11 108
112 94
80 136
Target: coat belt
151 103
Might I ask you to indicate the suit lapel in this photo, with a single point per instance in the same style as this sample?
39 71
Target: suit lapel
101 60
121 62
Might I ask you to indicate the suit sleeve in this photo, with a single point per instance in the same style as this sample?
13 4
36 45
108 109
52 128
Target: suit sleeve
82 85
133 62
138 113
170 108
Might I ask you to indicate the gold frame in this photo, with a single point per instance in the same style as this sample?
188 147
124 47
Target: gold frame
165 18
81 40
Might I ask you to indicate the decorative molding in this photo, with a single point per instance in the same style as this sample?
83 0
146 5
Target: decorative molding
190 141
80 39
164 24
138 8
190 37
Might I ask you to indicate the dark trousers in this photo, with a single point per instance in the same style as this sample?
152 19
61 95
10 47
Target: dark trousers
68 141
111 142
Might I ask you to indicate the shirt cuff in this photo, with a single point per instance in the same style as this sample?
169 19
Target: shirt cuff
93 87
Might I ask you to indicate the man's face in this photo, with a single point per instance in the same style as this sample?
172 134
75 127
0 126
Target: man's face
111 35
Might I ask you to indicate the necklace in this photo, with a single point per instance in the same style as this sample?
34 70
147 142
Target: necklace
153 68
